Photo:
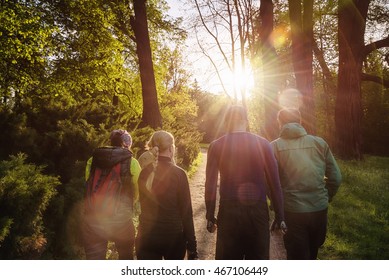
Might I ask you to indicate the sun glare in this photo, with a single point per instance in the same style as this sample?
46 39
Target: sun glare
239 81
279 36
290 98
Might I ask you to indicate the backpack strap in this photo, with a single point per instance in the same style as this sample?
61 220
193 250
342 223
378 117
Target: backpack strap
125 167
126 176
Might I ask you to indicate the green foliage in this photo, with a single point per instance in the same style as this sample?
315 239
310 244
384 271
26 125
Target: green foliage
63 144
140 137
64 219
359 216
375 101
256 113
25 193
376 120
70 77
25 44
195 164
179 113
210 113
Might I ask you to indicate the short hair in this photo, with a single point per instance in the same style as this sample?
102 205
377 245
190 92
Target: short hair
289 115
120 137
235 114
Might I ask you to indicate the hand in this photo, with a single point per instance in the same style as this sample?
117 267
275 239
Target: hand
192 255
284 228
279 226
211 225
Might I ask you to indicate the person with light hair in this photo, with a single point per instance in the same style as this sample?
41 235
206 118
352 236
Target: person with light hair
310 178
166 228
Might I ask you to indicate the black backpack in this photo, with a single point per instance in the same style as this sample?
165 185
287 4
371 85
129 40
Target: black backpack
109 185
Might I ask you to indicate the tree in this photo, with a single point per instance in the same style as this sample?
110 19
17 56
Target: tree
227 23
352 52
151 115
25 44
324 68
301 21
271 84
375 103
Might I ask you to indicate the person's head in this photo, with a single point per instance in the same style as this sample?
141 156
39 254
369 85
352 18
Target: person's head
148 157
160 143
289 115
163 142
120 138
236 118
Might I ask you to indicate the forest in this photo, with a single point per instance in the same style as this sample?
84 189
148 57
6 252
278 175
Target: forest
72 71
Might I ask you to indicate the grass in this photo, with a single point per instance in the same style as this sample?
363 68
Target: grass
195 164
358 217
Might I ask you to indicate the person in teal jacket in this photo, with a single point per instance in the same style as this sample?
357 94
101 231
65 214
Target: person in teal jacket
310 178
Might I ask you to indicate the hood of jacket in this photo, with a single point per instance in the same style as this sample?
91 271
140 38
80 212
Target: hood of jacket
292 130
107 157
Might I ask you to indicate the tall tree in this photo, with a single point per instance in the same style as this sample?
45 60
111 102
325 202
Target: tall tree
270 69
227 23
151 114
301 21
352 53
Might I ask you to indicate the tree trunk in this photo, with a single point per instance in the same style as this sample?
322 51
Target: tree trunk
242 42
302 55
348 110
270 67
151 114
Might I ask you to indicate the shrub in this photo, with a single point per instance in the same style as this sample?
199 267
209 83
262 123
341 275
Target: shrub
24 195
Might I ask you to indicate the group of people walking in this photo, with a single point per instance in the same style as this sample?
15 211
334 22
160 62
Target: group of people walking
296 173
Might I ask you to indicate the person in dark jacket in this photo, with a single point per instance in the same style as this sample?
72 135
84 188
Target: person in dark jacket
166 229
99 227
310 178
248 171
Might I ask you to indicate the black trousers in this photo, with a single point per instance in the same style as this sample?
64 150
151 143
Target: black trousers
306 233
243 231
158 245
96 236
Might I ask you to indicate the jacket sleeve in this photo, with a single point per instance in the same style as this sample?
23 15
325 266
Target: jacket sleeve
333 175
135 171
211 176
186 210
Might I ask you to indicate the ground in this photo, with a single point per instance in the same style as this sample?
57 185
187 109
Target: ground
206 241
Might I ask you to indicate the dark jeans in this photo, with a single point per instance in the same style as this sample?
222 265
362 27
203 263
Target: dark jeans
96 236
306 233
243 231
158 245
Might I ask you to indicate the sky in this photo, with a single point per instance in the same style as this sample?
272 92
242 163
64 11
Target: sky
198 64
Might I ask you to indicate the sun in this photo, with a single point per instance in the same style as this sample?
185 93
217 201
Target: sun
241 80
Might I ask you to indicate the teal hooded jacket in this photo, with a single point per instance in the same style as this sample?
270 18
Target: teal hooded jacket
309 174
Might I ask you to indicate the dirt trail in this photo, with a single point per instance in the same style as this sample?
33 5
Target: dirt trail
206 241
